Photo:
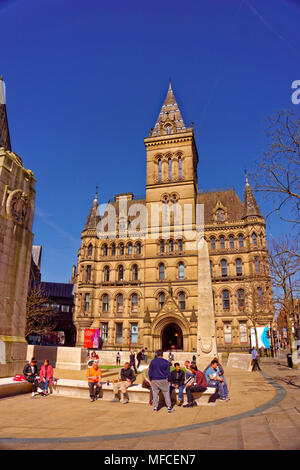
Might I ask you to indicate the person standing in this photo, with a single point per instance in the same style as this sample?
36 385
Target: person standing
255 356
139 357
177 382
46 376
94 380
127 379
198 384
118 358
132 361
171 358
159 375
30 373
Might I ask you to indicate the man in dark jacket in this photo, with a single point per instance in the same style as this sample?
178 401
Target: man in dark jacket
139 357
177 382
198 384
132 361
159 375
127 379
30 373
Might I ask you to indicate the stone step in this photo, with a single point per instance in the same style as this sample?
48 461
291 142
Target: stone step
136 394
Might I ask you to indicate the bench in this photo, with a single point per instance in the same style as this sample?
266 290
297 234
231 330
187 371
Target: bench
9 387
136 394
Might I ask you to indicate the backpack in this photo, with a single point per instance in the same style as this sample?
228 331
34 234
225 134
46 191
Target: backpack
19 378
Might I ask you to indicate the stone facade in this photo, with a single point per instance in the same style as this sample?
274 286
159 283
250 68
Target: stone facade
17 197
147 291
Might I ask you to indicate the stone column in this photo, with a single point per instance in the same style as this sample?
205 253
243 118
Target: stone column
206 334
17 196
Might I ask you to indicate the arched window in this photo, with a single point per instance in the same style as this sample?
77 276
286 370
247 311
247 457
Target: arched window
224 267
121 248
241 298
166 211
105 250
175 207
105 303
90 250
159 169
238 267
87 302
181 298
130 249
257 265
135 271
254 239
106 274
138 248
170 168
181 270
161 299
213 243
241 241
222 243
134 302
226 300
161 271
162 246
120 273
180 246
113 249
168 130
259 296
231 241
179 167
211 268
119 302
171 246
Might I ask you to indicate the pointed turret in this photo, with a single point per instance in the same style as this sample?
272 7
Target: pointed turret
4 132
250 205
93 217
170 119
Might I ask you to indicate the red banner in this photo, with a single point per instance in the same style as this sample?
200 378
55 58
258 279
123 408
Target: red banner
91 338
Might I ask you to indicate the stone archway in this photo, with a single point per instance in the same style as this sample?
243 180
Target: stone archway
172 337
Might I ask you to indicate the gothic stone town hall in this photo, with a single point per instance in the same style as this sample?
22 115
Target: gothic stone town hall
142 292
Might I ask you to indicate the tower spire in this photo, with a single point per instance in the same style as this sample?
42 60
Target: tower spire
93 217
4 132
169 116
250 204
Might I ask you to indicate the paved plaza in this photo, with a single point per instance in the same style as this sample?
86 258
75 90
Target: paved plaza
263 413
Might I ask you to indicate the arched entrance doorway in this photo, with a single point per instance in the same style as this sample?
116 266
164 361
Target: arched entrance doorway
171 336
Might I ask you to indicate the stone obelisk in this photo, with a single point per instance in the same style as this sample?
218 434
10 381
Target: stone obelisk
206 333
17 197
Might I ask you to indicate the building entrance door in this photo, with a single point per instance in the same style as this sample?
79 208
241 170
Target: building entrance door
172 336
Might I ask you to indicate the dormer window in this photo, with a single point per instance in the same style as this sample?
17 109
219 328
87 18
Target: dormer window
220 215
168 130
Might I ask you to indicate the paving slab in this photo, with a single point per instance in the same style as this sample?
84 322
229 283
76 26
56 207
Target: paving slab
259 407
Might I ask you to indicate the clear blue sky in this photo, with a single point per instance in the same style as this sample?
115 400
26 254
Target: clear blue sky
85 81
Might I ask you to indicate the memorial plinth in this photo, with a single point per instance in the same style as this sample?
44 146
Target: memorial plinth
239 361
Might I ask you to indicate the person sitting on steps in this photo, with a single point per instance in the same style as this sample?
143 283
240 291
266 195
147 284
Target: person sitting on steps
177 382
94 376
127 379
215 378
197 384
